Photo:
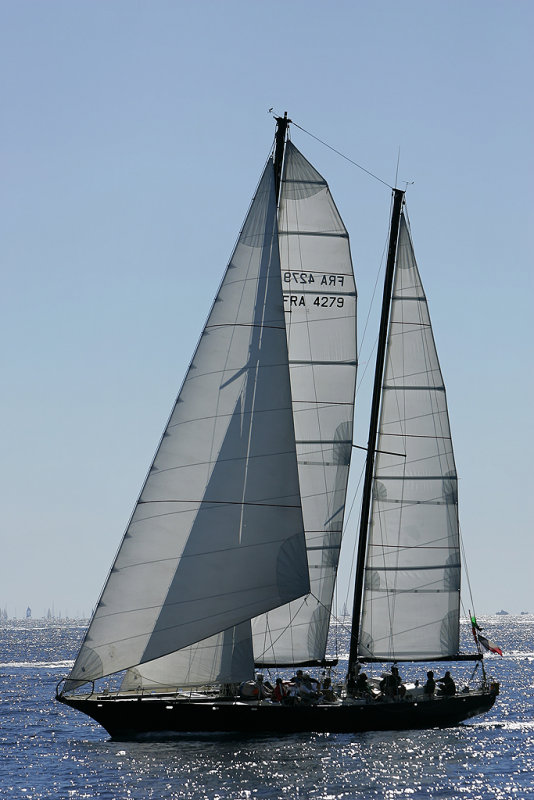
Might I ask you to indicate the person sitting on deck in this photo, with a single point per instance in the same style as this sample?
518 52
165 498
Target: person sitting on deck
316 685
297 677
362 688
280 693
293 697
327 691
308 689
430 686
265 689
391 684
447 686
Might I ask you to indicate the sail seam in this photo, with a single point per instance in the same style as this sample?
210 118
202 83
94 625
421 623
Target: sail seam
414 435
245 325
205 501
415 477
410 568
406 503
306 182
391 591
414 388
234 460
416 324
326 291
323 441
325 363
325 403
336 234
322 403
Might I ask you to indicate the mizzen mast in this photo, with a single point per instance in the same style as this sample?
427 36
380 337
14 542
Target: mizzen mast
398 200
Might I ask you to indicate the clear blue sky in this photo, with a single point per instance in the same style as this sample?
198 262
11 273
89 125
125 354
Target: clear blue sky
132 137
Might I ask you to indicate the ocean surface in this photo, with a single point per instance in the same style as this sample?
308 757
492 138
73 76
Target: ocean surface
51 751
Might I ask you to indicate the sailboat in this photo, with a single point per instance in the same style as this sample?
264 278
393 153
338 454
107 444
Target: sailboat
229 561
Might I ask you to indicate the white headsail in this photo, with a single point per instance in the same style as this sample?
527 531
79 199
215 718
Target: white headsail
320 305
412 574
217 535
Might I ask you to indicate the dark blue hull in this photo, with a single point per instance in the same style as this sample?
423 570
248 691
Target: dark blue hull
127 717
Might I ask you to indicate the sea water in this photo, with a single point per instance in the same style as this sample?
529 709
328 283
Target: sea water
51 751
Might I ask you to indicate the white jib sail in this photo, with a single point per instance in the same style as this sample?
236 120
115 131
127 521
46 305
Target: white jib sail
320 307
217 534
412 577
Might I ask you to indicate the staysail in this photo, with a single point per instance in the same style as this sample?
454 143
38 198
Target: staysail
217 534
320 311
226 657
412 572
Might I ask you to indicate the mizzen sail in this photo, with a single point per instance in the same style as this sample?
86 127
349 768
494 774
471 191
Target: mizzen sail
412 572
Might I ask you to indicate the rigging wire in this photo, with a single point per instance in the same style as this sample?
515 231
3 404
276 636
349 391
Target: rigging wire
369 311
339 153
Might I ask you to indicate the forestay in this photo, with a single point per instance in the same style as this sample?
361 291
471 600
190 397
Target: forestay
412 575
320 311
217 534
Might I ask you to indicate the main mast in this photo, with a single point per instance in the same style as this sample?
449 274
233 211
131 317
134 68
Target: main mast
398 199
279 148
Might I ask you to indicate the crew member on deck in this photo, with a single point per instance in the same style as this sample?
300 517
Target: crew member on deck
430 686
362 686
265 690
391 684
280 692
327 691
447 686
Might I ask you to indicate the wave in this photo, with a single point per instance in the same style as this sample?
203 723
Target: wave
527 725
40 664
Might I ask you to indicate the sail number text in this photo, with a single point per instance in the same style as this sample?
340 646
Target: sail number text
296 300
310 277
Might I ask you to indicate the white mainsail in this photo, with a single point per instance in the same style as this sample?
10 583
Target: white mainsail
217 534
412 574
320 305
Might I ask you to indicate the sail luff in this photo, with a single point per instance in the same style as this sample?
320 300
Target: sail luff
217 534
